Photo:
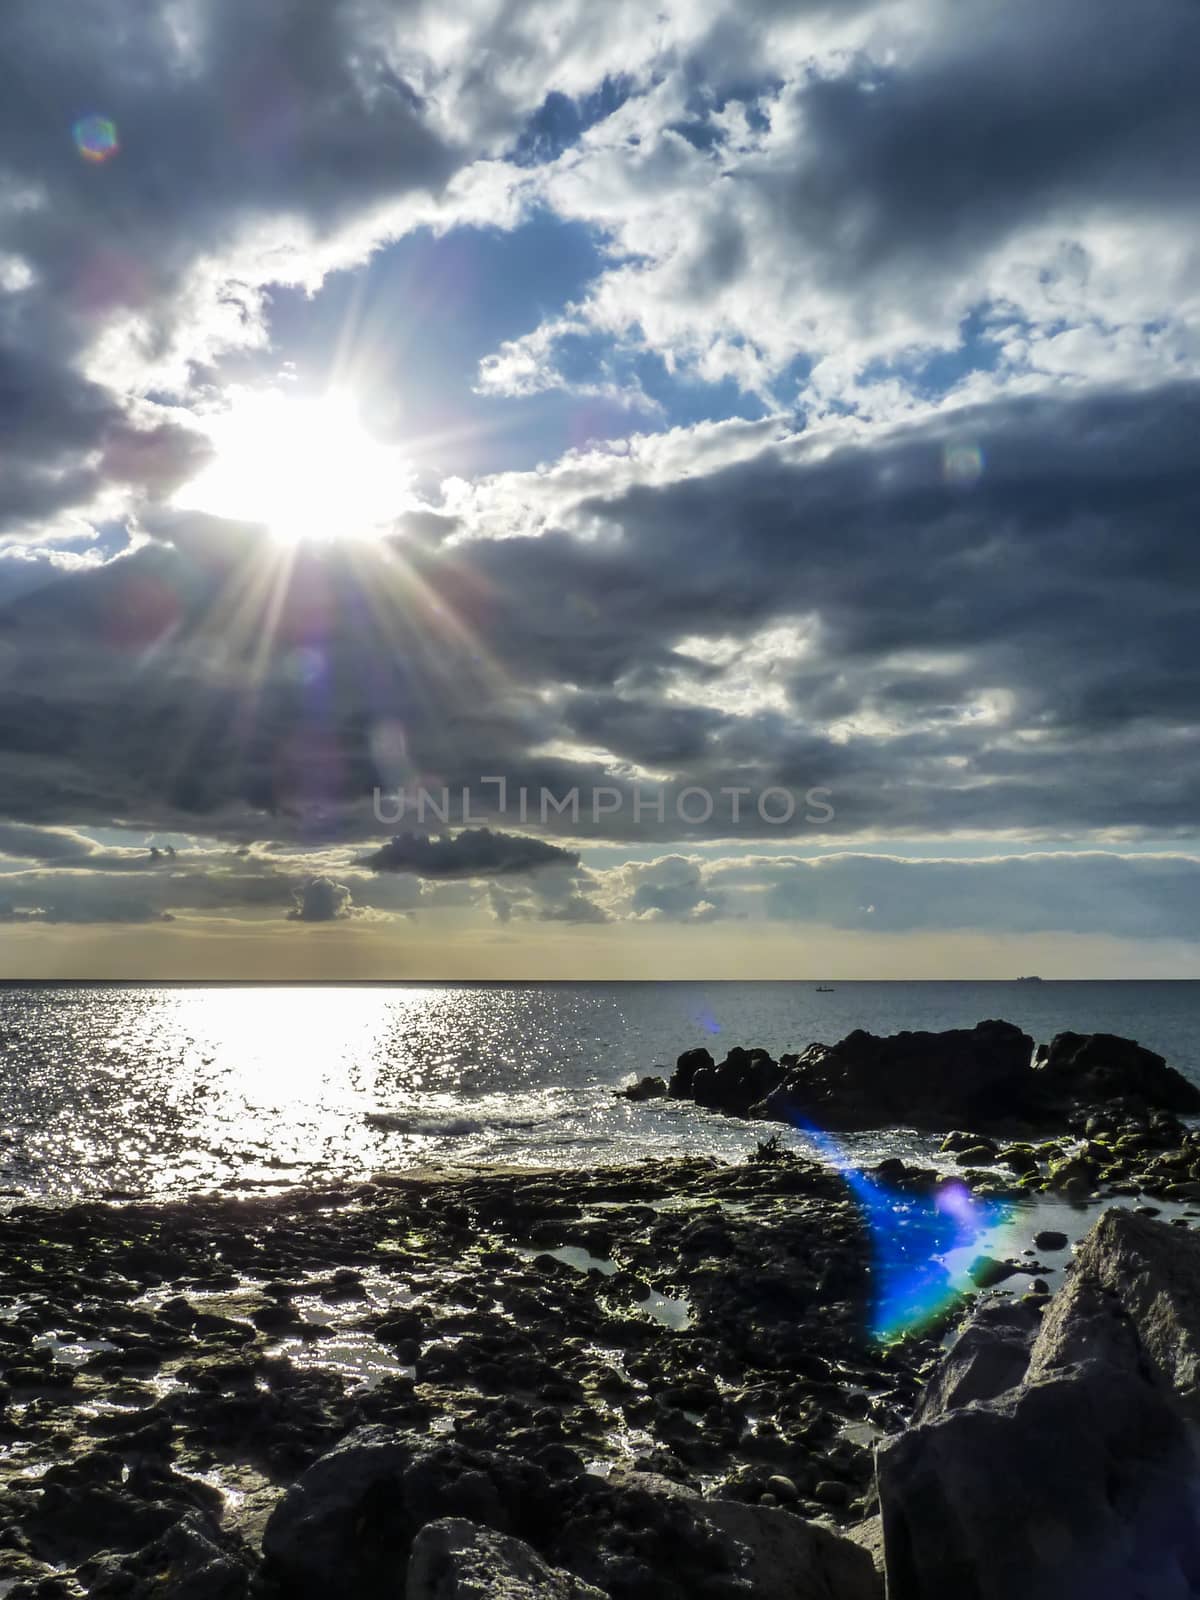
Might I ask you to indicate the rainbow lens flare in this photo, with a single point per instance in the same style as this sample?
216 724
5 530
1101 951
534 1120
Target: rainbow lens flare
96 138
962 464
921 1244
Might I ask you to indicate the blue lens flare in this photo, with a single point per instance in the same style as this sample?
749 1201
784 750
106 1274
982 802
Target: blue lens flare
96 138
922 1244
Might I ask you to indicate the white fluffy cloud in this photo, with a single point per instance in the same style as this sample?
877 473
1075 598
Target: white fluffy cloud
853 213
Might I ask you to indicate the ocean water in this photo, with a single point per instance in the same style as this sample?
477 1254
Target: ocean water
167 1090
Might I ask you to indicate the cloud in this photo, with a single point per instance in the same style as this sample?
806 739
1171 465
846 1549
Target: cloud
828 227
832 609
941 567
672 888
470 853
322 900
1085 892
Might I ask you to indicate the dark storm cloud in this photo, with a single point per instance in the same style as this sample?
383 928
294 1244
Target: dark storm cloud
1006 114
66 880
322 900
63 439
471 853
1016 653
225 113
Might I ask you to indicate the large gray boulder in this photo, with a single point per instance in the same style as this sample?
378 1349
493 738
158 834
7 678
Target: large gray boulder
348 1523
793 1559
789 1558
1152 1272
990 1356
457 1560
1080 1481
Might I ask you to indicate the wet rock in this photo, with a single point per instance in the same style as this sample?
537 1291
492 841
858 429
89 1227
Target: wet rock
192 1560
456 1560
979 1155
1019 1158
683 1078
649 1088
957 1140
985 1272
1051 1239
784 1489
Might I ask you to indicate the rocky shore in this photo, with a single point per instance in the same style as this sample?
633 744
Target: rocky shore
654 1381
1086 1114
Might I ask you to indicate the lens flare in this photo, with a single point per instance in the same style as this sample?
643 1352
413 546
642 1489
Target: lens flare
962 464
96 138
915 1239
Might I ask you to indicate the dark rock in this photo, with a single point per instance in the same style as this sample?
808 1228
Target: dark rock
1051 1239
784 1490
832 1492
1018 1158
645 1089
686 1068
789 1557
1102 1066
734 1085
348 1523
457 1560
958 1139
978 1076
193 1560
981 1078
985 1272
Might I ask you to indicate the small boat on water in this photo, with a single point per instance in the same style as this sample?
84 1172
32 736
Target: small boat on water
823 988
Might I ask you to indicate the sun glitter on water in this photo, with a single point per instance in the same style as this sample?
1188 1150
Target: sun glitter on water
303 466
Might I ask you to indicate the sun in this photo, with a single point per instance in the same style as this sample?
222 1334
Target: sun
303 466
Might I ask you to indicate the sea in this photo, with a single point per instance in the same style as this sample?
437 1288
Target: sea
121 1091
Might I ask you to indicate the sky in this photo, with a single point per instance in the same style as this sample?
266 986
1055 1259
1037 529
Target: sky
561 491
